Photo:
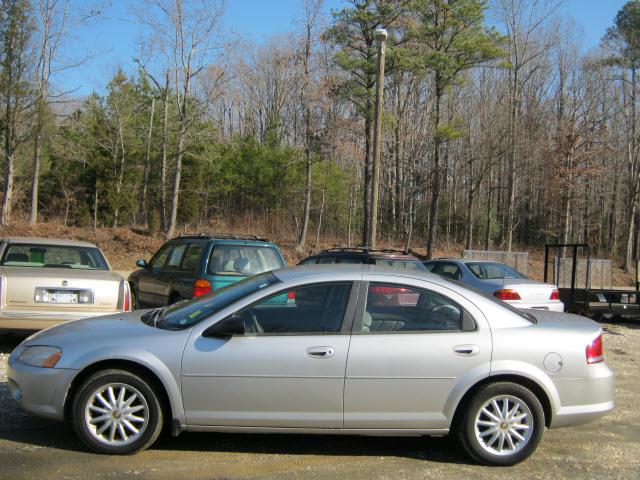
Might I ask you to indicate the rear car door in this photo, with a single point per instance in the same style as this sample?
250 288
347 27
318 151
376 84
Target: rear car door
412 343
287 370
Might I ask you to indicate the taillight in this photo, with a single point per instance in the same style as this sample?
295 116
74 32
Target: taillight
201 287
595 352
555 294
506 294
127 298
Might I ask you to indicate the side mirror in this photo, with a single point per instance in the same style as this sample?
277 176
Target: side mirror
141 263
229 327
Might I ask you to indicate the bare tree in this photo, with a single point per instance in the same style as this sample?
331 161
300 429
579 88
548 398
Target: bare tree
185 29
312 10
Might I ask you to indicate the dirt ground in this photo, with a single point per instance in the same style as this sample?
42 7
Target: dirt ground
33 448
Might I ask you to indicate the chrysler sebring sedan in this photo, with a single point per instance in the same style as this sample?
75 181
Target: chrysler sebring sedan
357 350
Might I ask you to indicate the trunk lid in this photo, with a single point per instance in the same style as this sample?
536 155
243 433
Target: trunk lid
530 290
563 322
19 286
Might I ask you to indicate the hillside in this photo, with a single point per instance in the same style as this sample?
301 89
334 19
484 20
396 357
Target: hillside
123 246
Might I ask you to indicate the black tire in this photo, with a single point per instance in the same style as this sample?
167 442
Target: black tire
465 428
136 384
174 298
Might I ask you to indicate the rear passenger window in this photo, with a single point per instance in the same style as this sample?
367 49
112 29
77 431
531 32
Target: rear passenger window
303 310
399 308
448 270
192 257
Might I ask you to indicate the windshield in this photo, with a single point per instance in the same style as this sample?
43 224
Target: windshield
53 256
185 314
243 260
408 264
493 271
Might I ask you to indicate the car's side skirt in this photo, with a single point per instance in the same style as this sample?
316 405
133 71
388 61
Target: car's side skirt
381 432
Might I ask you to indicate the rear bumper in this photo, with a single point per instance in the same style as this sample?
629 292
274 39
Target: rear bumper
33 320
41 391
586 399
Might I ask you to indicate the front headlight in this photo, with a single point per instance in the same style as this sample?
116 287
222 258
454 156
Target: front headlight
41 356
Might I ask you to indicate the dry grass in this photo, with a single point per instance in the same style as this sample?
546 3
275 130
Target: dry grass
122 246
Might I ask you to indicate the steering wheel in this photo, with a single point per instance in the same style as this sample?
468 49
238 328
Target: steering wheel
251 324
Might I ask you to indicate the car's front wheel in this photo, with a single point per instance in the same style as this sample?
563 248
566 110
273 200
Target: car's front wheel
502 424
117 412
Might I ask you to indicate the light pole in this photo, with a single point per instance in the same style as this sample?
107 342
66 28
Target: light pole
381 38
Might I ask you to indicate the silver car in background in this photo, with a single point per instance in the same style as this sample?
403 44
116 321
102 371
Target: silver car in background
355 349
501 281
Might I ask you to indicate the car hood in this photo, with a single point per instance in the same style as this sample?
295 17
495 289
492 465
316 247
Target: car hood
103 327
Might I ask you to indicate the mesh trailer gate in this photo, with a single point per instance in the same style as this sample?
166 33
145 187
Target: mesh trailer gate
573 271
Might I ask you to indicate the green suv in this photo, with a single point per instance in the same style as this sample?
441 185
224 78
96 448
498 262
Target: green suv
194 265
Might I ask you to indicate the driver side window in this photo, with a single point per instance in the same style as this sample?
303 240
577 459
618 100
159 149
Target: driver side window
309 309
398 308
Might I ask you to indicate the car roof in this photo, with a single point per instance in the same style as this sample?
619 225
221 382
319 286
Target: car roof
365 252
226 239
50 241
355 269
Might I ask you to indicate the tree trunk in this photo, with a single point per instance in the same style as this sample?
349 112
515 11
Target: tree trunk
366 207
435 194
163 165
307 143
176 185
513 160
319 221
8 187
147 166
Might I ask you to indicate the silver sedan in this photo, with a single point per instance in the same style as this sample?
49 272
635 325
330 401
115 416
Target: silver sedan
356 350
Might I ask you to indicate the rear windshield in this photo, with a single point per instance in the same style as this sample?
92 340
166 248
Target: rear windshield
53 256
407 264
493 271
243 260
185 314
522 314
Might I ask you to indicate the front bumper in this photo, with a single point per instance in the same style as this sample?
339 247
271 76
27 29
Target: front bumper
41 391
585 399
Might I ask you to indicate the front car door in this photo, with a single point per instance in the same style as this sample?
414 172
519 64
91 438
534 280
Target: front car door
413 344
149 290
286 371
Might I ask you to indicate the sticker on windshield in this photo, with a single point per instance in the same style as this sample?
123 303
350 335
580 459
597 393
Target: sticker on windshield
195 314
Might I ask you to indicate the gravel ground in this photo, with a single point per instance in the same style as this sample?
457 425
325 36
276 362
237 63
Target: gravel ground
607 449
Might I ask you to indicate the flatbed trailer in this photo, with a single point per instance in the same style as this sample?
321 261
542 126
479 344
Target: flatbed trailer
596 303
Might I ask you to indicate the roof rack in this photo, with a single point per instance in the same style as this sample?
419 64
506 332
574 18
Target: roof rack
224 236
364 248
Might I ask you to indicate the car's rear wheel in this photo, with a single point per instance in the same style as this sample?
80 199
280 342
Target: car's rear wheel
502 424
117 412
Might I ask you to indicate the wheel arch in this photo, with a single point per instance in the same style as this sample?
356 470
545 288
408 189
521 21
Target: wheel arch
120 364
526 382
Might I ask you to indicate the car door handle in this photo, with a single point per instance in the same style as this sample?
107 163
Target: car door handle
321 352
466 350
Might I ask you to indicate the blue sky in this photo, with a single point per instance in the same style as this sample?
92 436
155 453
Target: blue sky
112 41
